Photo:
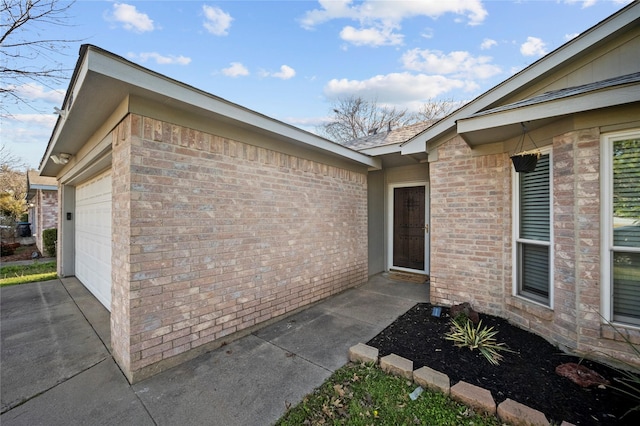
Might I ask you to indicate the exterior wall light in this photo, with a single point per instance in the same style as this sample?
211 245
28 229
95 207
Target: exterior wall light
62 158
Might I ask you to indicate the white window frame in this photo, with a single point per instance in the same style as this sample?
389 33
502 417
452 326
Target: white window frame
515 185
606 222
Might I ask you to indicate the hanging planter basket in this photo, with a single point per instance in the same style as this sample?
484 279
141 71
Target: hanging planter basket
525 162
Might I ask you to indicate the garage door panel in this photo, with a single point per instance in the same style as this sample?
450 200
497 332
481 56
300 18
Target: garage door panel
93 237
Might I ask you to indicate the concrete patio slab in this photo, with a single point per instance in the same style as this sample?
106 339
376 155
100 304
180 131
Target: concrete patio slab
247 382
57 369
45 341
321 338
99 395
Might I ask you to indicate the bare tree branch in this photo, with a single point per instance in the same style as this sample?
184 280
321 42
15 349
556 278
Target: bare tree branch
435 109
354 117
21 24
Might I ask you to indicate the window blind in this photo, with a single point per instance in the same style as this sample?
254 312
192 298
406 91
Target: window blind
626 230
535 203
535 224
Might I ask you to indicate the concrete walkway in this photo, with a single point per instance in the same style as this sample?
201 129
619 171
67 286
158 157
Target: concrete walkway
57 368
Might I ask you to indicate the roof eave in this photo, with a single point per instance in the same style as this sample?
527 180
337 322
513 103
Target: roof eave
484 129
97 64
382 150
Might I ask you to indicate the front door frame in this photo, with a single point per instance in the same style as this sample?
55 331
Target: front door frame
390 211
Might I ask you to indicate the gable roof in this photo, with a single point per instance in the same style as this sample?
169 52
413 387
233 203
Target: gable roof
624 20
394 136
102 81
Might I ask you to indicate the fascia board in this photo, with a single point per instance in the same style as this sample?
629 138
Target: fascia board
171 91
612 97
44 187
382 150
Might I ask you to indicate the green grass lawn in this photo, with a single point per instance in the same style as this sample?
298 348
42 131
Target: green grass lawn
22 274
365 395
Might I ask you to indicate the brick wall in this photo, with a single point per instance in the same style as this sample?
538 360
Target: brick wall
221 236
47 214
472 243
121 285
470 227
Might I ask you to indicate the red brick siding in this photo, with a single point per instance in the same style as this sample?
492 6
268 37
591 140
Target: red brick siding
224 235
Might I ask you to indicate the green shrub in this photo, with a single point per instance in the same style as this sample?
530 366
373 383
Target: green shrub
49 237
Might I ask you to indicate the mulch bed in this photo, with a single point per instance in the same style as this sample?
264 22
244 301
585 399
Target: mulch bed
22 253
526 376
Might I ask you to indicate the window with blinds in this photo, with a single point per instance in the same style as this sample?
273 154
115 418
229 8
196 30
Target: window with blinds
625 249
534 232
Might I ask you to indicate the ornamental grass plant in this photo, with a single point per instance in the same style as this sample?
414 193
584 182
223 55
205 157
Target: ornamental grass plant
465 334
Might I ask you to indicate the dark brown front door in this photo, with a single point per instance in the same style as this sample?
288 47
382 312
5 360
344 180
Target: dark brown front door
409 227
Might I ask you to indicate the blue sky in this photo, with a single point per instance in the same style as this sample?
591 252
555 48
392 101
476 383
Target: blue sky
291 59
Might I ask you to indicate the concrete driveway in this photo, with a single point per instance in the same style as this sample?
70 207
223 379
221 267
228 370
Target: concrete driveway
57 368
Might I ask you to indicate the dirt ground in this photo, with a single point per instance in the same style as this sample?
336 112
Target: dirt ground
527 376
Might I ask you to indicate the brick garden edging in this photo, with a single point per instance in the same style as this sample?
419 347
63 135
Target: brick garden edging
473 396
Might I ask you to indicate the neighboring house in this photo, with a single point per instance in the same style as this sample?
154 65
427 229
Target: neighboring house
194 220
42 200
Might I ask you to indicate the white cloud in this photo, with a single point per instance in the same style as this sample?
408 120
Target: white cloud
285 73
131 19
459 64
488 43
161 59
379 21
396 88
427 33
589 3
235 70
27 135
217 21
37 92
370 36
534 46
585 3
392 12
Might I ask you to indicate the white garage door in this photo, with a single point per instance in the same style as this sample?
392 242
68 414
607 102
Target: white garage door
93 237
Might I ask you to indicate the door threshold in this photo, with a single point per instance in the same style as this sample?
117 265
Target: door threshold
412 277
